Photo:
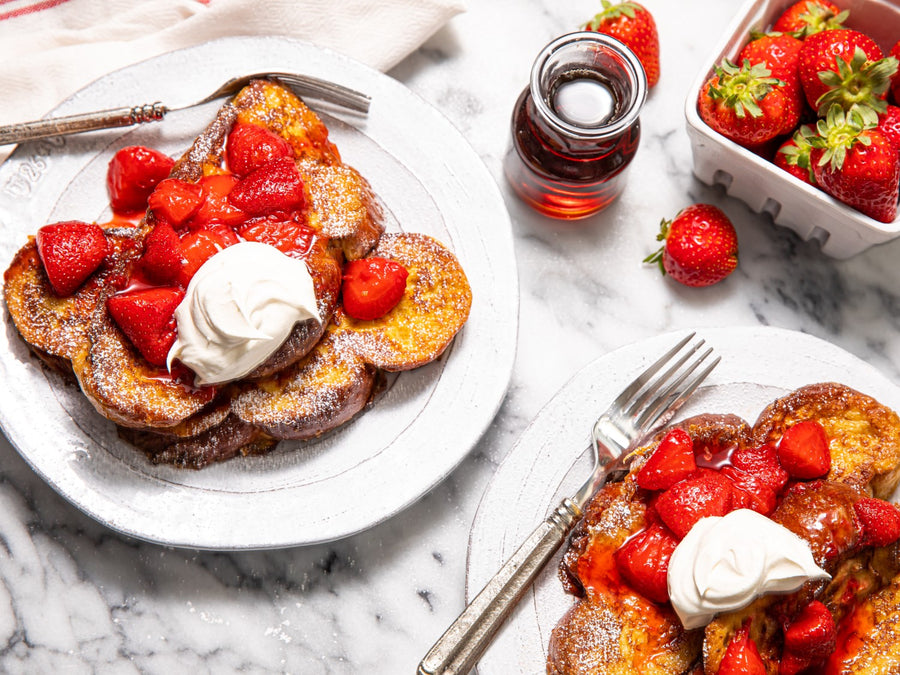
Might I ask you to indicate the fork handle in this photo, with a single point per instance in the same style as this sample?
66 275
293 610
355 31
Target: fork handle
460 647
75 124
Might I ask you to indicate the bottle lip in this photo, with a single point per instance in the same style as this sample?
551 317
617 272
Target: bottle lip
628 59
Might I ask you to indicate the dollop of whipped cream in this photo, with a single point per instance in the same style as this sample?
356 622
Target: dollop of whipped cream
239 307
724 563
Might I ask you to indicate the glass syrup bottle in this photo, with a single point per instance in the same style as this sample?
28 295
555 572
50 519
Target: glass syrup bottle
576 127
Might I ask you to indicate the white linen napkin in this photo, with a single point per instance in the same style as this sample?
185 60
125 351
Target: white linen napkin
51 48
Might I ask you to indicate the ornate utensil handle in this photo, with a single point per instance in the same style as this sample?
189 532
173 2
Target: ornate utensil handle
460 647
73 124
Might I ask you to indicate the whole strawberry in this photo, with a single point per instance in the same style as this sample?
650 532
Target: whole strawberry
844 67
700 246
793 155
806 17
780 53
857 164
746 105
631 23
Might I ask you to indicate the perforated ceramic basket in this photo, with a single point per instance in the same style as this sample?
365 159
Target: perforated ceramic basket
841 230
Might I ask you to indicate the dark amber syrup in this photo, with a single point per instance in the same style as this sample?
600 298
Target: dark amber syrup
567 177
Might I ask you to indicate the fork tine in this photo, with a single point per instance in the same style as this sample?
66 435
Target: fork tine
653 387
629 392
329 91
691 387
671 400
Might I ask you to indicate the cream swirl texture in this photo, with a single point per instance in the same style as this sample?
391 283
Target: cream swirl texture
724 563
239 308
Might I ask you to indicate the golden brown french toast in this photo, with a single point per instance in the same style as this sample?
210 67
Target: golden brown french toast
323 373
433 308
629 530
613 628
869 641
56 327
864 435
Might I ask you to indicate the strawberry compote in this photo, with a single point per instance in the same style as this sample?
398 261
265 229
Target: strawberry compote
575 129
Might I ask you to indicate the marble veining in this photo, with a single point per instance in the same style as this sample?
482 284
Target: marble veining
78 598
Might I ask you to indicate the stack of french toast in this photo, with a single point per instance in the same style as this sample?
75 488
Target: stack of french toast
327 370
835 500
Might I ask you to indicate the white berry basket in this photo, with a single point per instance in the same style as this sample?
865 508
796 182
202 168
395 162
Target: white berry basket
841 230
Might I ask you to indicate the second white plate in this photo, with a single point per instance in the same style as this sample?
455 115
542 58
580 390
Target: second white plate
758 365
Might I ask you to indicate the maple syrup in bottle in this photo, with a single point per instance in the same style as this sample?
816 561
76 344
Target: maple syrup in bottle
576 127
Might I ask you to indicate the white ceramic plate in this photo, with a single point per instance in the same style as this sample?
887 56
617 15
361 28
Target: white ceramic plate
429 179
758 365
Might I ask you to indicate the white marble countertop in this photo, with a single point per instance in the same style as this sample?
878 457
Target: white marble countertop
78 598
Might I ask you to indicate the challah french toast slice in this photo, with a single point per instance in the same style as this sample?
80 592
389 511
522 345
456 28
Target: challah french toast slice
864 435
595 636
56 328
868 642
612 628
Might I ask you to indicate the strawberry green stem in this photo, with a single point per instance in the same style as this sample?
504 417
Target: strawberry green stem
838 133
817 18
611 12
657 256
859 82
741 88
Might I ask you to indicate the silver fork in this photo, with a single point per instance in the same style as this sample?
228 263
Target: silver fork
303 85
648 402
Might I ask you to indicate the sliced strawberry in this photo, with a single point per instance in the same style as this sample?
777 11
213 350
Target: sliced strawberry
70 252
162 259
749 491
880 521
147 317
812 634
683 504
762 462
791 664
672 461
742 657
215 207
250 146
275 186
174 200
803 450
643 561
132 174
372 287
289 235
198 246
